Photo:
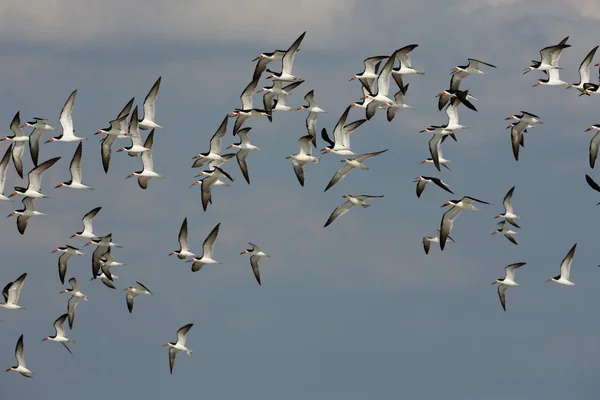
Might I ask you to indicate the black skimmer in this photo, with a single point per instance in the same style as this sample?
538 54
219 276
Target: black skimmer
549 57
75 169
59 335
351 164
422 181
341 135
351 202
18 146
303 157
509 214
88 231
313 112
565 269
244 147
149 108
207 251
66 121
12 292
504 230
184 248
507 281
147 171
35 181
21 368
255 253
25 213
287 62
67 251
133 291
178 346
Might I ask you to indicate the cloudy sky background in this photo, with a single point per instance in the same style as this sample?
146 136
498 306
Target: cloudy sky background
352 311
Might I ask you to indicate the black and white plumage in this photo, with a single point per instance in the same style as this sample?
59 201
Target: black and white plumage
549 57
380 97
214 153
303 157
507 281
118 130
12 292
66 122
594 144
247 110
59 335
255 253
184 248
134 291
76 295
369 75
3 170
148 122
313 112
207 183
287 63
21 367
147 171
509 214
35 180
351 202
136 147
88 231
103 243
207 251
422 181
265 59
427 240
341 135
39 126
457 207
178 346
75 169
405 63
67 251
351 164
504 230
245 147
24 214
18 146
584 71
565 269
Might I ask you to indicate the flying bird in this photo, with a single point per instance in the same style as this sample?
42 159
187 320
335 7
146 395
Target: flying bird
507 281
134 291
136 147
184 248
207 251
287 62
351 164
147 171
87 231
59 335
178 346
509 213
3 170
35 181
549 57
422 181
351 202
75 169
255 254
150 109
247 110
39 125
25 213
12 292
303 157
67 252
427 240
313 112
66 121
504 230
18 146
21 367
565 269
341 135
245 147
214 154
76 295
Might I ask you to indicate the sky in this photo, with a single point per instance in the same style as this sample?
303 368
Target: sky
355 310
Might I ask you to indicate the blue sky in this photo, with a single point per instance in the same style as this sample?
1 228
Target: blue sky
352 311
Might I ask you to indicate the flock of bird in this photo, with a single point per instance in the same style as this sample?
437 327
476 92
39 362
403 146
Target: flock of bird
375 86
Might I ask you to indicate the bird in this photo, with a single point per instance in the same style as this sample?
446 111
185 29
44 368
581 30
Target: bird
247 110
553 79
109 261
405 64
106 280
303 157
207 251
244 147
178 346
39 125
67 252
265 59
594 143
584 71
35 180
422 181
592 184
351 164
184 249
150 109
341 135
87 231
435 149
25 213
380 97
398 103
280 103
369 74
509 214
118 130
351 202
59 335
427 240
21 367
281 92
449 216
103 244
287 62
506 232
75 169
18 146
136 147
471 68
256 253
133 291
466 203
210 181
147 171
12 292
3 171
549 57
313 112
507 281
66 121
565 269
215 147
76 295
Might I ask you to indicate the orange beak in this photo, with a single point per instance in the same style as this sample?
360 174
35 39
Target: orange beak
54 251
